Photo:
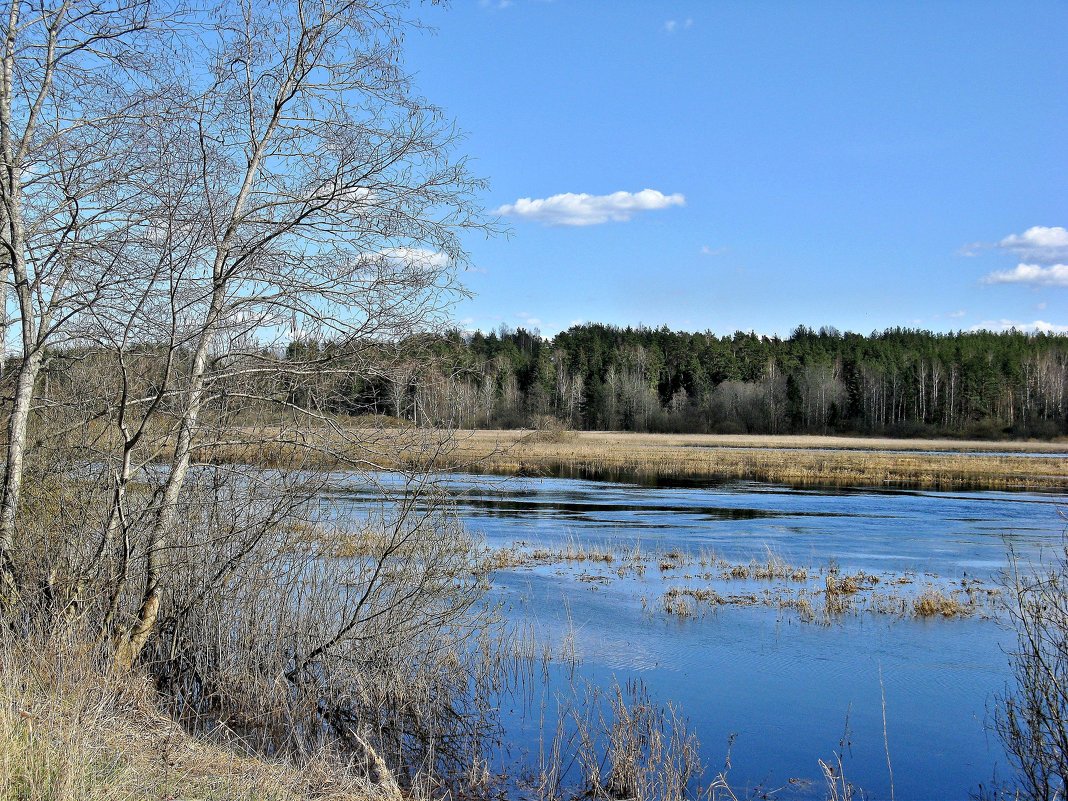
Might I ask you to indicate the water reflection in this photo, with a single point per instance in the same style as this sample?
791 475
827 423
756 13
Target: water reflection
792 692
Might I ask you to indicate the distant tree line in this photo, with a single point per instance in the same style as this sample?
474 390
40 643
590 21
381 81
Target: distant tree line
896 382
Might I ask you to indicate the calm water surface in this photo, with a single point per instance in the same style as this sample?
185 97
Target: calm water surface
790 692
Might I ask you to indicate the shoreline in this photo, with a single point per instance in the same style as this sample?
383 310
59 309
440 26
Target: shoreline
792 460
796 461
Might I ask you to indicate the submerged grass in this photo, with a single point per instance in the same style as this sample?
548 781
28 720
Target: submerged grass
701 582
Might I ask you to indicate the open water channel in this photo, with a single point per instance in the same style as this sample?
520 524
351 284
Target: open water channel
785 691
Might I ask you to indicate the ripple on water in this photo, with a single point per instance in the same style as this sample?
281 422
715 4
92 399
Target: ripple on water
789 689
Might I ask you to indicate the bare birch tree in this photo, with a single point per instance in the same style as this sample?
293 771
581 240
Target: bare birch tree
74 76
325 200
217 242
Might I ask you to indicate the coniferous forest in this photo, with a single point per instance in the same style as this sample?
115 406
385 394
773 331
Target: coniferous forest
899 382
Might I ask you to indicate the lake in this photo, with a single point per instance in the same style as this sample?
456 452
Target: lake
787 692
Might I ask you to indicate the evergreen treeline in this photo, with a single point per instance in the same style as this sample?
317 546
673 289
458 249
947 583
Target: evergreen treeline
897 382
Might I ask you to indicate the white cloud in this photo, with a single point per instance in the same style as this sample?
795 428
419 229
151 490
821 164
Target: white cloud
707 250
341 195
1035 274
673 25
418 258
1037 326
584 209
495 4
1039 243
528 320
957 314
1041 306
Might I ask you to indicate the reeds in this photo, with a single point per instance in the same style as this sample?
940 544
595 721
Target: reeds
798 461
791 460
933 602
816 594
71 729
618 743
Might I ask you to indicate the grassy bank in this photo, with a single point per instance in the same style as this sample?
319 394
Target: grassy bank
72 730
793 460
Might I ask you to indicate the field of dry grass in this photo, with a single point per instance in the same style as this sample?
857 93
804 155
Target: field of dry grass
796 460
792 460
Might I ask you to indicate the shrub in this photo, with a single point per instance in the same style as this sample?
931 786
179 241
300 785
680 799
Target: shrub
1031 716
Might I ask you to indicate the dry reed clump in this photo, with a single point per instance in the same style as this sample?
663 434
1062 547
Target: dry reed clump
572 552
933 602
502 559
617 743
846 585
673 559
72 729
773 568
850 584
679 601
678 604
840 591
803 606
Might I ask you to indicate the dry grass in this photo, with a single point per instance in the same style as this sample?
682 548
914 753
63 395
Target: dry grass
772 582
773 568
933 602
796 460
573 552
791 460
72 731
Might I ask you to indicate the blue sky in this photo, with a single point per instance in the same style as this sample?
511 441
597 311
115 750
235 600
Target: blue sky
860 164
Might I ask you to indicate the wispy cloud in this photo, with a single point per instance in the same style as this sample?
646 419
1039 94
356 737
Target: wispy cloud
1033 274
423 258
495 5
957 314
673 25
1037 326
584 209
708 250
529 321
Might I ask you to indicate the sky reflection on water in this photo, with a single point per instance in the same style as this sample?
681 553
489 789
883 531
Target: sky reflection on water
792 692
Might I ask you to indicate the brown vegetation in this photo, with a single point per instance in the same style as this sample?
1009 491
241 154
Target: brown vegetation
1031 716
71 729
793 460
772 582
933 602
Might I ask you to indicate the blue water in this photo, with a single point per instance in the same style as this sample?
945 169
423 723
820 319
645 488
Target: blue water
792 692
